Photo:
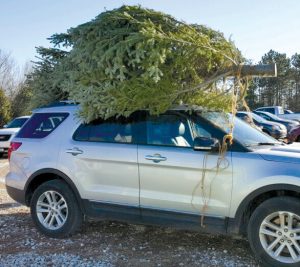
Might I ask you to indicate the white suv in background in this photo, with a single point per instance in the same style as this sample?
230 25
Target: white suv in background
163 170
9 131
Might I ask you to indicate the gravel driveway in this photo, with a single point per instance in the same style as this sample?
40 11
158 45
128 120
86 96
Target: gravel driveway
110 243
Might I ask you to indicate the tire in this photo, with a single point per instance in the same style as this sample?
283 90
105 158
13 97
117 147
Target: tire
62 221
270 211
266 132
1 155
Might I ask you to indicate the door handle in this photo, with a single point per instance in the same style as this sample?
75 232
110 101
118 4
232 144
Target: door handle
74 151
155 158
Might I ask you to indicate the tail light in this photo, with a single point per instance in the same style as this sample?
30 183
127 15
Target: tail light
13 147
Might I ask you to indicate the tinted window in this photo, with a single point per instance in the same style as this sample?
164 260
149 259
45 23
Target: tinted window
113 130
168 130
41 125
17 123
271 110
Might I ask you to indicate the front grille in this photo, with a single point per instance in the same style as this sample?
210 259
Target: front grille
4 137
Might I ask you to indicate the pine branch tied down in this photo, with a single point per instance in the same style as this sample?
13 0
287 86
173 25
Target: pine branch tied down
133 58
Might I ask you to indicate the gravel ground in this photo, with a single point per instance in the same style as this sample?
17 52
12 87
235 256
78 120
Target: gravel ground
110 243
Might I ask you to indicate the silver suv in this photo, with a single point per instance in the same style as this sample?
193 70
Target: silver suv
164 170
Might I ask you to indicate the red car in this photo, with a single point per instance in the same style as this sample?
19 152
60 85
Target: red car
294 134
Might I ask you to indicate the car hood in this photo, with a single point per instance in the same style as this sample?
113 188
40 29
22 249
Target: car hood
9 130
287 153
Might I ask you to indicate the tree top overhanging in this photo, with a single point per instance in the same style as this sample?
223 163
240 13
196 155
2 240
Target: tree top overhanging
134 58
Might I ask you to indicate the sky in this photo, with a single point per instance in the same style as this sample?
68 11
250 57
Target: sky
255 26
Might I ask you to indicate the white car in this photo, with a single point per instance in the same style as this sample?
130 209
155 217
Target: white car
164 170
9 131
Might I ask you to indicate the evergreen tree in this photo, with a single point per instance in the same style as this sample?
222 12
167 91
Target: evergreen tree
4 108
274 90
134 58
20 103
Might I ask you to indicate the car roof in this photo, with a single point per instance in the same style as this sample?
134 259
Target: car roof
67 108
263 112
244 112
23 117
269 107
73 108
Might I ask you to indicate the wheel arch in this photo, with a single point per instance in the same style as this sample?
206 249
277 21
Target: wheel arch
238 224
47 174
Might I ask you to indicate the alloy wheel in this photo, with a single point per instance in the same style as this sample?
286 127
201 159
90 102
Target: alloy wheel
52 210
279 235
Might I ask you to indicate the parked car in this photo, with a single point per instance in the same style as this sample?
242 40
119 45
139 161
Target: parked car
281 112
294 134
289 124
147 169
274 129
9 131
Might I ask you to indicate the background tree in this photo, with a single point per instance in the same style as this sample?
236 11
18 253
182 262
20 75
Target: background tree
9 73
20 103
274 90
45 81
294 97
283 90
4 108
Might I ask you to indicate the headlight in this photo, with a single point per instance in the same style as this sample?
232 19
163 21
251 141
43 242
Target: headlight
282 127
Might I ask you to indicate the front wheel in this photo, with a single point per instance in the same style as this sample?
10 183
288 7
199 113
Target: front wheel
54 209
274 232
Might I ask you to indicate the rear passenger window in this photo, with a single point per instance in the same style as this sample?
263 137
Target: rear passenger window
112 130
41 125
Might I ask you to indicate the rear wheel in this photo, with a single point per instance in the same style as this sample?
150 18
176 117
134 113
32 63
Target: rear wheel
54 209
274 232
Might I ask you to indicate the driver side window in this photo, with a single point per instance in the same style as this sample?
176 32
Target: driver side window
168 130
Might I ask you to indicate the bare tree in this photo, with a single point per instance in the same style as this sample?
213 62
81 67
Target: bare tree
10 75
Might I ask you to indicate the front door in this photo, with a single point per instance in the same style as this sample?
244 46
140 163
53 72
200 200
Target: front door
175 177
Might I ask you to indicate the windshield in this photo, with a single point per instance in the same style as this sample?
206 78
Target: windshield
257 118
242 131
272 116
17 123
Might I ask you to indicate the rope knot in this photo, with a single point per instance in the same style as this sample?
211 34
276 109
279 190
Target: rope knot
229 138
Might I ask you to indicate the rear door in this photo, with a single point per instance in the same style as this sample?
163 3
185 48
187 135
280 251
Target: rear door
102 157
174 177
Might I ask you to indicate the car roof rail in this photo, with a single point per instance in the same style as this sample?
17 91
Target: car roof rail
60 103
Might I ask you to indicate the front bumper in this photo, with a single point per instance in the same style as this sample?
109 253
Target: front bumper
279 134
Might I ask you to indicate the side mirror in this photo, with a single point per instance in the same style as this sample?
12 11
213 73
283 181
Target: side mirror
206 144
